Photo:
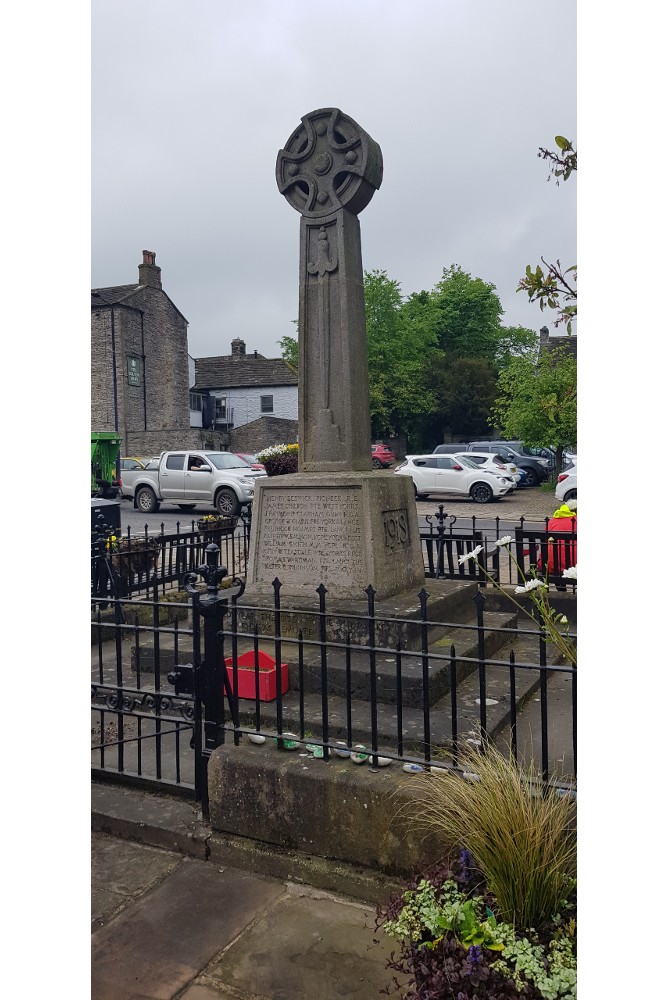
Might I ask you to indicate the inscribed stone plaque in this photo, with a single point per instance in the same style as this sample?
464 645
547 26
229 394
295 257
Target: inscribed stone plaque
316 535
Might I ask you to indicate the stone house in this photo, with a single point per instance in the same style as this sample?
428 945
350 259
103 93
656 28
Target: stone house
253 398
548 342
140 377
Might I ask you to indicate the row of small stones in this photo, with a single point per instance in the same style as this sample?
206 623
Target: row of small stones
358 755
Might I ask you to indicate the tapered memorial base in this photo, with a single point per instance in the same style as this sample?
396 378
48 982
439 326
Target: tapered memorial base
346 530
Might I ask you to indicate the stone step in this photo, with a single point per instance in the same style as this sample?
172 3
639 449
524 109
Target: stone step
395 617
463 637
498 709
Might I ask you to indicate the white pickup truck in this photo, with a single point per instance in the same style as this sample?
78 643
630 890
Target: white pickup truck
190 479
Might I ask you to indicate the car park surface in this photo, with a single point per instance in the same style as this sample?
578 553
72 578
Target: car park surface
447 474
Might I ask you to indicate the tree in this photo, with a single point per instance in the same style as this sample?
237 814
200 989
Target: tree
554 286
467 315
469 386
400 348
538 400
289 347
514 342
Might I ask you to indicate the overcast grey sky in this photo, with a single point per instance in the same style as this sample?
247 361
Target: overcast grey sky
191 102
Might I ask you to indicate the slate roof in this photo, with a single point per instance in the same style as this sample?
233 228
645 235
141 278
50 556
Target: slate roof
236 371
111 296
120 295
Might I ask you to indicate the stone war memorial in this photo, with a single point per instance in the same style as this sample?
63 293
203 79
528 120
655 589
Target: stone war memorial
335 521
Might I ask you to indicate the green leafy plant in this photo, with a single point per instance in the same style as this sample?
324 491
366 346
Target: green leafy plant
520 833
453 946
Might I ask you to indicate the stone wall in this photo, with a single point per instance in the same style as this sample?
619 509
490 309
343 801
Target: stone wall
263 432
155 415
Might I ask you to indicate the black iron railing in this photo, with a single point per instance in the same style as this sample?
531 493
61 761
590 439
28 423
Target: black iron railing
171 681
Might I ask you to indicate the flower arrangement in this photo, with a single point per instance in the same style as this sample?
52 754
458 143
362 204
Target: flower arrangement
216 522
496 917
553 624
280 459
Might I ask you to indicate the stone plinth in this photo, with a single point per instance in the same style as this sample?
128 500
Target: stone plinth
346 530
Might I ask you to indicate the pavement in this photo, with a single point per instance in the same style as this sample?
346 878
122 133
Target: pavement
173 918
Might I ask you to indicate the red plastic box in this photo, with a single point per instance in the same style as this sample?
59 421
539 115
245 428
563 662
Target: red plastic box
267 675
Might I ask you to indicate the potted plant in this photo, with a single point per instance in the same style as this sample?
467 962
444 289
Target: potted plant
216 523
280 459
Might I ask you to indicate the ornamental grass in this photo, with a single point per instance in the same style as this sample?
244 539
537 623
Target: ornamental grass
520 833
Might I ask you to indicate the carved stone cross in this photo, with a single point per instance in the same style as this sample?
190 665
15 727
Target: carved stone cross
328 171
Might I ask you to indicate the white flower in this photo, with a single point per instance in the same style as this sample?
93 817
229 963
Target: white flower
570 573
470 555
572 504
505 540
530 585
563 619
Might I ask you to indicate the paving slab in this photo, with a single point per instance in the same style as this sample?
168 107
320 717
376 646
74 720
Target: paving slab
120 872
303 948
155 948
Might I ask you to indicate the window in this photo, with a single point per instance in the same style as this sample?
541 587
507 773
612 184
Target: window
175 462
266 404
195 401
220 407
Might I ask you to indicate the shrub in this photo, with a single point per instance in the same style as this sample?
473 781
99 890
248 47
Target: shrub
452 947
520 833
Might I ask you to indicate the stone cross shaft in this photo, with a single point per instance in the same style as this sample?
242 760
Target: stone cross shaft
328 171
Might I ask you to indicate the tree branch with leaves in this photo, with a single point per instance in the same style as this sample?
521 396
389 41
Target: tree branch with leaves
553 286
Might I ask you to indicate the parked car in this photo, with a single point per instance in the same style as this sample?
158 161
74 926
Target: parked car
493 463
128 464
192 478
537 469
381 456
450 474
251 460
450 449
566 487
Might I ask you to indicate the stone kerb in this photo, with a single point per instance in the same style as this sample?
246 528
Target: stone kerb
353 815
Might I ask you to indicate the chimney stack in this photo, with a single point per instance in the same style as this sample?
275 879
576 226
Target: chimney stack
238 348
149 272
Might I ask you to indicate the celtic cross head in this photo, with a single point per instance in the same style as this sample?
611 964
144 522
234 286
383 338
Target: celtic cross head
329 163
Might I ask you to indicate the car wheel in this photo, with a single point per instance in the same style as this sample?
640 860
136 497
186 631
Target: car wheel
531 477
227 503
186 506
481 493
570 495
376 463
147 501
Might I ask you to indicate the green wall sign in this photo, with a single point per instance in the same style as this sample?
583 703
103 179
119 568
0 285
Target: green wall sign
134 371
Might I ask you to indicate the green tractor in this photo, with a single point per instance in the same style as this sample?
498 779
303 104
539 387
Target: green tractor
104 452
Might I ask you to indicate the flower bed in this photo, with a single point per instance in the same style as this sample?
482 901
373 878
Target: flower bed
495 920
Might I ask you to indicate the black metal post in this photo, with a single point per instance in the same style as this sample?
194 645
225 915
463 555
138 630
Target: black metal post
426 700
480 601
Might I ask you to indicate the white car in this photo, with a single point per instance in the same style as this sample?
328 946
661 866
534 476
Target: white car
453 474
492 463
566 487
